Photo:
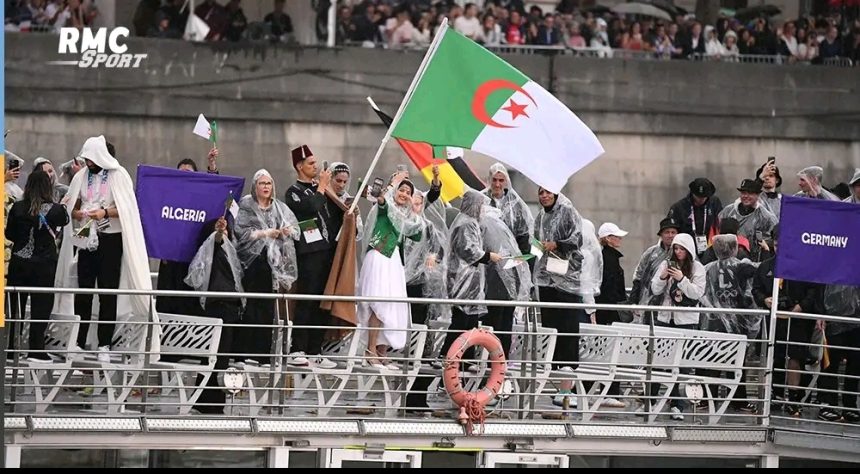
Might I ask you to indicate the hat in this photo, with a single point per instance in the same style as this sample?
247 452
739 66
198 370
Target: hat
729 225
776 173
38 161
608 228
300 154
668 223
750 186
856 178
702 187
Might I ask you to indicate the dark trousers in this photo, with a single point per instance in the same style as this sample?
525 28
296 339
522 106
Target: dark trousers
828 379
565 321
418 310
100 267
607 318
501 318
678 401
313 269
417 396
460 322
39 274
213 397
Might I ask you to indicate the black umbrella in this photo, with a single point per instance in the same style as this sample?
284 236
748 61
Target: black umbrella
757 11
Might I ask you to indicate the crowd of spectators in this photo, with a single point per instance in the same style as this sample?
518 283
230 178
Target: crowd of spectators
412 23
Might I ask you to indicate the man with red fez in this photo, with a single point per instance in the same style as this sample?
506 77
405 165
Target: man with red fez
314 255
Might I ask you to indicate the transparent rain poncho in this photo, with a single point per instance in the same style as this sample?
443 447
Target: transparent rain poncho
252 221
402 218
563 225
200 269
513 283
648 264
814 175
466 280
425 261
842 300
728 284
514 211
755 226
592 263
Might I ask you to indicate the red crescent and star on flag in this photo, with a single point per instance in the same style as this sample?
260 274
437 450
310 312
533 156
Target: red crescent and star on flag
479 102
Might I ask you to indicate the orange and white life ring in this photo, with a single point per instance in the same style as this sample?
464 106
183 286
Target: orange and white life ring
472 403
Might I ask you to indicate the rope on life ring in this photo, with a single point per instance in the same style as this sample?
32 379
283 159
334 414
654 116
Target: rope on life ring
472 403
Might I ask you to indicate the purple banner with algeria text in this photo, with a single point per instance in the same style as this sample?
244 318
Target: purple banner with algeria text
176 205
819 241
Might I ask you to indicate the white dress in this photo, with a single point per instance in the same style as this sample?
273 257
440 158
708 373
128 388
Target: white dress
383 276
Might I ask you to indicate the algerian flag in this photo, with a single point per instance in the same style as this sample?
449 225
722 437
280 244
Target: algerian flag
469 97
203 128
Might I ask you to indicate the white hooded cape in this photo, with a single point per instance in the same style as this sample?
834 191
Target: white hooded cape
135 262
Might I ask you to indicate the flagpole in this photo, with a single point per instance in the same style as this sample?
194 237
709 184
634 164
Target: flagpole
771 341
418 75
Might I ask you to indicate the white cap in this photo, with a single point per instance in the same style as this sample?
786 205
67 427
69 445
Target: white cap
608 228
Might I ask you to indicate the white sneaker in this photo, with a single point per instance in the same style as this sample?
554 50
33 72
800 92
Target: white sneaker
676 414
324 363
612 403
297 358
104 354
392 366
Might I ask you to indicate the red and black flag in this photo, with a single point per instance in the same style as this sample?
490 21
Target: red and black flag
454 173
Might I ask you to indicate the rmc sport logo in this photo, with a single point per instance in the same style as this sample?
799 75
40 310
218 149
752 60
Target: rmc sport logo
93 45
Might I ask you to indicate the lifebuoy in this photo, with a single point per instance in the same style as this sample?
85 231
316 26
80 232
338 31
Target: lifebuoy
472 403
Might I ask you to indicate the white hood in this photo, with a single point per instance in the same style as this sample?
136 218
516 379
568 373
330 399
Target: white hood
95 150
686 241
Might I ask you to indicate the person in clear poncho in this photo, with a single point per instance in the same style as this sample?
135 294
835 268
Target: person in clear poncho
649 262
854 184
770 179
506 280
810 182
515 213
591 276
841 300
266 230
466 278
728 284
425 260
756 222
216 267
389 224
558 273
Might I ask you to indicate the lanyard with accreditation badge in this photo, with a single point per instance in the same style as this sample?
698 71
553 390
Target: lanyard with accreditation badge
701 240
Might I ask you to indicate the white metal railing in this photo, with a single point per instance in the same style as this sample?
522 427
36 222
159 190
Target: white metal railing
276 387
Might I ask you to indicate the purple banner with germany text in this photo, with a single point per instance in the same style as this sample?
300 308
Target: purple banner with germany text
176 205
819 241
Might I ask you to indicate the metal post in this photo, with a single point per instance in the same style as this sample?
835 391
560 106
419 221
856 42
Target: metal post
3 396
771 342
649 361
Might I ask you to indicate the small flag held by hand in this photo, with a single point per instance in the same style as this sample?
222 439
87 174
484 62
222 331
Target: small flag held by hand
231 206
202 128
213 136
